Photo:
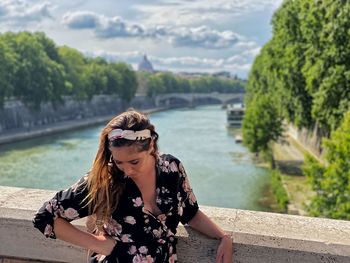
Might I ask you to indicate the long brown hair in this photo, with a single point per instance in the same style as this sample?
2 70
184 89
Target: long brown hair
104 185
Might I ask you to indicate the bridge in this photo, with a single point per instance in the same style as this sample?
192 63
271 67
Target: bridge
193 99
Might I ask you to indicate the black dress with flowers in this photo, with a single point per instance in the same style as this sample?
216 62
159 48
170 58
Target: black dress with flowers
141 236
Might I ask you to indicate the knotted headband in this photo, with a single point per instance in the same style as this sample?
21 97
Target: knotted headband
129 134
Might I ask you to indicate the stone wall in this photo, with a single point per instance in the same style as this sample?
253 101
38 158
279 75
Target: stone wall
258 237
16 116
311 140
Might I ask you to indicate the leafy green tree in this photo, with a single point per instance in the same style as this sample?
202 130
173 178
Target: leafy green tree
129 81
155 86
74 64
37 78
262 123
327 69
95 71
169 82
331 182
184 85
305 65
114 79
200 85
48 46
7 71
288 49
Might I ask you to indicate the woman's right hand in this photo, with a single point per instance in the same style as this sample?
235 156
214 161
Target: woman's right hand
104 245
99 243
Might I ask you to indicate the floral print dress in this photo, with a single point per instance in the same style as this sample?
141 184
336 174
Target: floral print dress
140 235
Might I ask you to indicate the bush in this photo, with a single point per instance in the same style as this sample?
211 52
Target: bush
278 190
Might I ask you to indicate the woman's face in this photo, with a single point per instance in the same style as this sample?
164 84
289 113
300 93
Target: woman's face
133 162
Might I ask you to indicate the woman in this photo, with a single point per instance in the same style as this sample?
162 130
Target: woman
135 198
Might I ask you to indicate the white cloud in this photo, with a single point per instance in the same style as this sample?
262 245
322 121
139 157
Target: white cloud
196 64
128 57
81 20
104 27
203 37
184 12
17 12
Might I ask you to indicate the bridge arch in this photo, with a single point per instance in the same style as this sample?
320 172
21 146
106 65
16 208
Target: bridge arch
197 98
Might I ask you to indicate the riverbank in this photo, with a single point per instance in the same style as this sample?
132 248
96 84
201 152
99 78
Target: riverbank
289 158
54 128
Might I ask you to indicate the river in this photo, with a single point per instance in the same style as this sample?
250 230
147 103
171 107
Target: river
222 173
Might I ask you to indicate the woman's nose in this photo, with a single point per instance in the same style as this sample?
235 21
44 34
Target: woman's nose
127 170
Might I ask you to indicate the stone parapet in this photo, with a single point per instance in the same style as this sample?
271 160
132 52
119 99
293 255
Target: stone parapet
257 236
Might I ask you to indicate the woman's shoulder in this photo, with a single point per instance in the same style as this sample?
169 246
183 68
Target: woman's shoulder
166 157
168 163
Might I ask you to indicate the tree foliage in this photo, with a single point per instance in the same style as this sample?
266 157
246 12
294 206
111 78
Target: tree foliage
34 70
7 70
305 65
331 182
262 123
304 70
161 83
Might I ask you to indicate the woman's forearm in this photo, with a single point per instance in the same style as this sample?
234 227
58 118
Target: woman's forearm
203 224
69 233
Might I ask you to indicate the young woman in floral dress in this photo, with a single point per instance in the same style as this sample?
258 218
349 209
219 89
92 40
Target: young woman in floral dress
135 198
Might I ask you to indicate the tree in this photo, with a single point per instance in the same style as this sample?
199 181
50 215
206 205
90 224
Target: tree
305 65
129 81
76 76
327 69
95 71
184 85
114 79
37 77
262 123
7 71
169 82
155 86
331 182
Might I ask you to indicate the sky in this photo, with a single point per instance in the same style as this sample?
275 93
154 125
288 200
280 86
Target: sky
176 35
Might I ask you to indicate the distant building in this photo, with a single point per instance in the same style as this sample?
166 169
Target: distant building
145 65
192 75
224 74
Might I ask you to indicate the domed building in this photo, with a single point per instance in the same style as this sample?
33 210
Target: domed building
145 65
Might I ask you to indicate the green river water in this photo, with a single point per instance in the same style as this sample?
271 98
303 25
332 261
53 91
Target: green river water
222 173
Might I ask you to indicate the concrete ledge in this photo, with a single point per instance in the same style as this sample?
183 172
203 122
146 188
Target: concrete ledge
258 236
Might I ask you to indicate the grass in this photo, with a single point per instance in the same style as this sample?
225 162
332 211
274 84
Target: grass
289 158
279 190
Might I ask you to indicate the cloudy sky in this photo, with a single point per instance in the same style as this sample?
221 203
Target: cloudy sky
177 35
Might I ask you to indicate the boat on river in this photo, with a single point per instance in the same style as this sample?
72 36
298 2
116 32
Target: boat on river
235 114
238 138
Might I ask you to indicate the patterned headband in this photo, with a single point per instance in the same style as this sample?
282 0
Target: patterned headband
129 134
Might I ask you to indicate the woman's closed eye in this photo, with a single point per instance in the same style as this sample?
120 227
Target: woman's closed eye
133 162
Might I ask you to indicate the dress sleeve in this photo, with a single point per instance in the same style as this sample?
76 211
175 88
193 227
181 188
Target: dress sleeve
188 205
68 204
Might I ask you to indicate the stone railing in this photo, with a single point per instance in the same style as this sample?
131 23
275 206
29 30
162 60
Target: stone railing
258 236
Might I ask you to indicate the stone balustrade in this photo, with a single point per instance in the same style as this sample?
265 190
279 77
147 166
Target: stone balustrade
258 237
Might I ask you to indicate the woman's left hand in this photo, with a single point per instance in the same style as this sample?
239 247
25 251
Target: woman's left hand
224 253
